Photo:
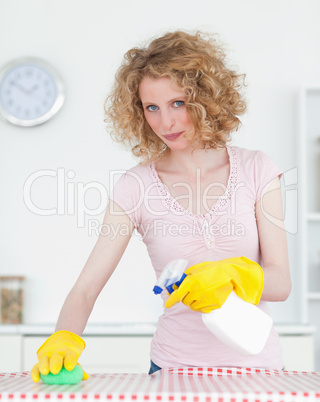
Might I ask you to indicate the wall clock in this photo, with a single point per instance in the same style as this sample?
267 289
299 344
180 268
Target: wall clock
31 92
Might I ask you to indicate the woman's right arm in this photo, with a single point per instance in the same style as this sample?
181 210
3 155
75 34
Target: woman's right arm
64 347
100 265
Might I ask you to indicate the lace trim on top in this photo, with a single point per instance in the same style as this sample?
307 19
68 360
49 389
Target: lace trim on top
222 201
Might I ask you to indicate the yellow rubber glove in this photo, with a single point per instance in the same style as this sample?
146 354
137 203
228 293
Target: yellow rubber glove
63 348
208 285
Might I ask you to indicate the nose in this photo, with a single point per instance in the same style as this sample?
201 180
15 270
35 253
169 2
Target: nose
167 121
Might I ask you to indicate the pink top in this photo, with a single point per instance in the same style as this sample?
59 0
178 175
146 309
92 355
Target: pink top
228 230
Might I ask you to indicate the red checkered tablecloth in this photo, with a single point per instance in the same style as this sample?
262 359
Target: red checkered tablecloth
176 385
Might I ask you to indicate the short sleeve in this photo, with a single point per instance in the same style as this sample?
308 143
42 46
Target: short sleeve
128 194
265 171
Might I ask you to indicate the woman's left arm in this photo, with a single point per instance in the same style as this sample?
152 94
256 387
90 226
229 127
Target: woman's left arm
273 244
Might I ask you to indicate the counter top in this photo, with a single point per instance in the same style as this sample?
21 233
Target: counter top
172 385
129 329
91 329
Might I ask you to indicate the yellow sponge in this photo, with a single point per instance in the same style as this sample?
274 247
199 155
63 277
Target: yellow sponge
64 376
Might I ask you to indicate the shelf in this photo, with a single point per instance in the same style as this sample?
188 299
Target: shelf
294 329
309 199
312 89
91 329
313 216
314 296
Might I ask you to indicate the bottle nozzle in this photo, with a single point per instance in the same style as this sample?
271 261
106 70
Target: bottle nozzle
171 274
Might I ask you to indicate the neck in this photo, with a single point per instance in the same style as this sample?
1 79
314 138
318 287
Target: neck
188 162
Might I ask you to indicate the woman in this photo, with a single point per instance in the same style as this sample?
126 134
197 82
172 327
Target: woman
192 196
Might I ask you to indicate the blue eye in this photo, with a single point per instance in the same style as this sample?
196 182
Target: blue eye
178 103
152 108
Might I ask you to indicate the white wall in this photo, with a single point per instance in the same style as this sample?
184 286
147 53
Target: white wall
276 43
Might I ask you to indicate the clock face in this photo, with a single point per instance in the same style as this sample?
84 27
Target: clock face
30 92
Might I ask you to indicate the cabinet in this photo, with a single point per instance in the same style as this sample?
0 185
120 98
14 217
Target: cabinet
309 198
10 353
129 353
298 352
103 354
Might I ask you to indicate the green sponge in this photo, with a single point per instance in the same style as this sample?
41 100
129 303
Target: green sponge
64 376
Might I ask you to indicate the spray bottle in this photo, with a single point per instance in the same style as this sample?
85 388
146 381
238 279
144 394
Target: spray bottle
238 324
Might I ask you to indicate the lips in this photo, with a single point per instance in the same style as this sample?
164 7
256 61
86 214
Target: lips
172 136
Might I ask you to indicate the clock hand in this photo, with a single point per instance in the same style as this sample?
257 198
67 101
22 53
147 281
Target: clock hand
28 92
22 89
35 87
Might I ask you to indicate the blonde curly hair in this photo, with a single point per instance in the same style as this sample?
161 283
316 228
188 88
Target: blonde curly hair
196 63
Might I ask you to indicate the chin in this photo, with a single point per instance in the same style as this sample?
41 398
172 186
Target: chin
179 146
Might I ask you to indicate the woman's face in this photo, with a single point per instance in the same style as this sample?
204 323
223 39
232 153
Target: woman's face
164 109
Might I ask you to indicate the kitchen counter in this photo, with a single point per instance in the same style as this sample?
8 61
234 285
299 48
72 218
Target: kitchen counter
91 329
129 329
183 385
18 344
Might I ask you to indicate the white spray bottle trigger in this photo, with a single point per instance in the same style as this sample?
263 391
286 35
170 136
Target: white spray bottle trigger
173 273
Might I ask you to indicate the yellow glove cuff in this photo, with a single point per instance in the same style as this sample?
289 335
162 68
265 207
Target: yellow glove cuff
65 338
